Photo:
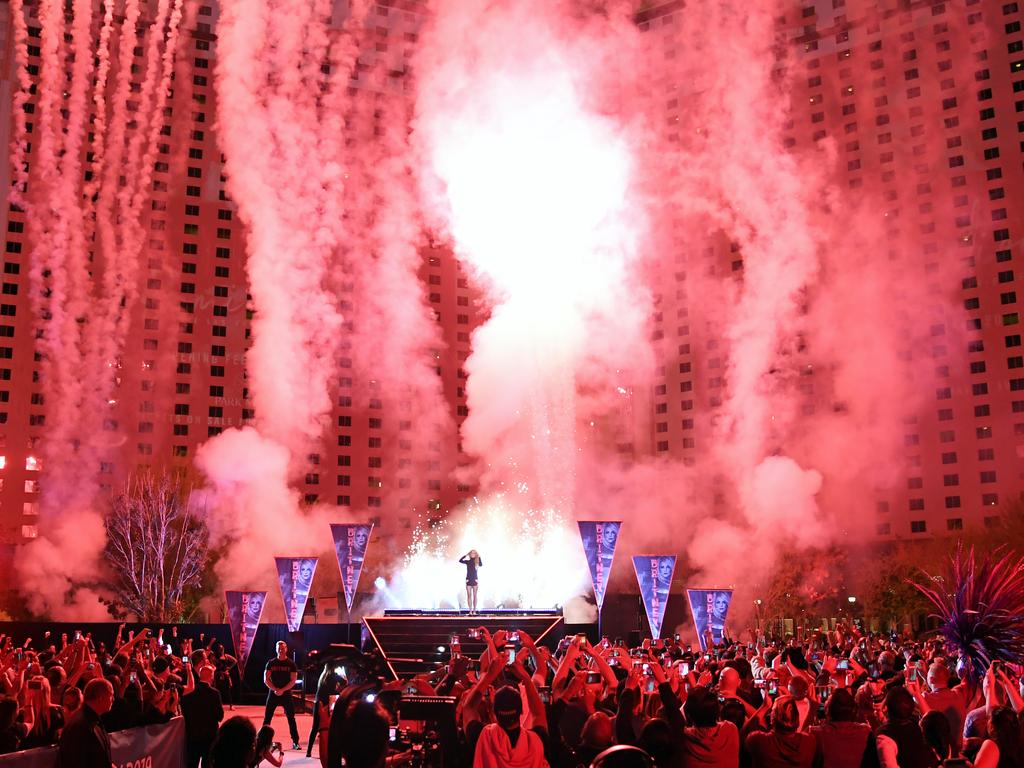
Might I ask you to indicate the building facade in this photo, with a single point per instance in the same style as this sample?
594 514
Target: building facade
924 102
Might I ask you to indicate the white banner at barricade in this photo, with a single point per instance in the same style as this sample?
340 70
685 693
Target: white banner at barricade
152 746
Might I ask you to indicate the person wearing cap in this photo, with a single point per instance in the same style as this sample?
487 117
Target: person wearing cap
505 743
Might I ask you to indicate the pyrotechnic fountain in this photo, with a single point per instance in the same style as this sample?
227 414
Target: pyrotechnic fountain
523 135
553 245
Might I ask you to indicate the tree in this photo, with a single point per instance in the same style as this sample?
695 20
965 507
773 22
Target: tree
889 595
157 548
805 586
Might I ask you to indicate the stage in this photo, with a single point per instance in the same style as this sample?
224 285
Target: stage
414 641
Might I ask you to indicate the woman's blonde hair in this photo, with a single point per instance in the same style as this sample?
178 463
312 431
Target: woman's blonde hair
785 715
37 699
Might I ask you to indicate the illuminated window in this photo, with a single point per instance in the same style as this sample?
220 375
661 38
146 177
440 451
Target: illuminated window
32 464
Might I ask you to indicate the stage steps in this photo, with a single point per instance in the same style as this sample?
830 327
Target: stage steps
416 641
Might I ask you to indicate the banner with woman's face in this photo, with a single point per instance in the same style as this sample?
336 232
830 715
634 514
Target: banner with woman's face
295 576
244 612
654 575
709 608
599 541
350 542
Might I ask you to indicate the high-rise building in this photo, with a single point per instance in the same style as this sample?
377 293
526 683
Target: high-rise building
922 100
923 103
181 378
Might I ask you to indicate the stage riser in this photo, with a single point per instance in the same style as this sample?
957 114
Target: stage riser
419 636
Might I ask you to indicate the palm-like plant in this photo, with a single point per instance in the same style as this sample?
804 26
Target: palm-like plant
980 604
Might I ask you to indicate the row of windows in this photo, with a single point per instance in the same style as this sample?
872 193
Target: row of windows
313 478
952 524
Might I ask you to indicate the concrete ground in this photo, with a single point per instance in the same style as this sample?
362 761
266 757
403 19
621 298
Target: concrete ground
280 726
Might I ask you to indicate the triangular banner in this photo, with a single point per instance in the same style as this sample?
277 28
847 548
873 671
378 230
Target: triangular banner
350 540
244 612
295 575
709 608
599 537
654 575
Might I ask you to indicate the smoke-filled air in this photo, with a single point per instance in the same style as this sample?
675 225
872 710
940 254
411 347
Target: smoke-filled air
596 195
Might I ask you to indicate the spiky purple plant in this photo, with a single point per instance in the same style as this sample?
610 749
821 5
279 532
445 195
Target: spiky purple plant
980 604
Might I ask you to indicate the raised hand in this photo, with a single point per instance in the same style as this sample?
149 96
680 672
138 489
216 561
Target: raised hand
658 672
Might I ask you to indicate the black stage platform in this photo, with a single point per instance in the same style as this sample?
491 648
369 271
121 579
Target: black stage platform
414 641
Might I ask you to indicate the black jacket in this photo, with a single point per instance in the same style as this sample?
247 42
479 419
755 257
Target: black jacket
203 711
84 743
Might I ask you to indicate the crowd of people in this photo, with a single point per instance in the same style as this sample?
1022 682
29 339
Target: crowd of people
72 692
831 699
836 699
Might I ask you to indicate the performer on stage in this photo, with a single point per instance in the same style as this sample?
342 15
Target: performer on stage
472 561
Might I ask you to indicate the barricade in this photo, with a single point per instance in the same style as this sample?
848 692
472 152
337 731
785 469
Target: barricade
152 746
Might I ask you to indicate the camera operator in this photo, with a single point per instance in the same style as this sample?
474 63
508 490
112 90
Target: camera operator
359 730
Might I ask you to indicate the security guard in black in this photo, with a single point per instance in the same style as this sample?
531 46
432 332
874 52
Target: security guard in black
280 676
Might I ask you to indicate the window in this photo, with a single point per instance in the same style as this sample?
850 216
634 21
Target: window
955 524
918 526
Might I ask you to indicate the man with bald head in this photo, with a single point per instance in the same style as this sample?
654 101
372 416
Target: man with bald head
203 711
951 702
728 688
83 742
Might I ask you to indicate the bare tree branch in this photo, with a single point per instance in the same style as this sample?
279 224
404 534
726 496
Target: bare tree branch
156 546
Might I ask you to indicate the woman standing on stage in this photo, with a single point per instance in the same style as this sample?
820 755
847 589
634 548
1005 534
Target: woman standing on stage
472 561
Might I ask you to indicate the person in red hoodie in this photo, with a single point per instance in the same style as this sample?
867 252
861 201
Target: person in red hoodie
505 743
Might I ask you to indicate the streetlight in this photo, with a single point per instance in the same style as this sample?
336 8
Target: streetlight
757 611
